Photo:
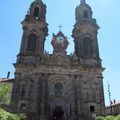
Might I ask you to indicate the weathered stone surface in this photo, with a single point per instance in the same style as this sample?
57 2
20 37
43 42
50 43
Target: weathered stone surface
59 86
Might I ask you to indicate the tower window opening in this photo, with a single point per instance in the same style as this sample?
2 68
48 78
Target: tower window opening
32 39
36 12
85 14
87 43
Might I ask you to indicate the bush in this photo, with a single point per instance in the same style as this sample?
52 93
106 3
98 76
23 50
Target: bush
99 118
118 117
108 117
9 116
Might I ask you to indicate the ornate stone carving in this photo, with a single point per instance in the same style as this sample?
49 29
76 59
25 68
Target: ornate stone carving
59 43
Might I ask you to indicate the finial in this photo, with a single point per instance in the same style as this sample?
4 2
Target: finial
83 1
60 27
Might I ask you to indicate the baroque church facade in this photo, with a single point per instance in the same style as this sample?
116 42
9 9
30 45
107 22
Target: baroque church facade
58 86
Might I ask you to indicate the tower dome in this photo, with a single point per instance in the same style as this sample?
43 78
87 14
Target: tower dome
38 10
83 12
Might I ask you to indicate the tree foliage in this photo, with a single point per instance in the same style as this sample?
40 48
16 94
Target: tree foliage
4 93
9 116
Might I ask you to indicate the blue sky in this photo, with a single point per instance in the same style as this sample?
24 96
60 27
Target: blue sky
62 12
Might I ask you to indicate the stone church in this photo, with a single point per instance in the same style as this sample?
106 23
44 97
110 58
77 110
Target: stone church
58 86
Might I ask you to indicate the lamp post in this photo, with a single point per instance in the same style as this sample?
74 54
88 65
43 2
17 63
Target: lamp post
109 92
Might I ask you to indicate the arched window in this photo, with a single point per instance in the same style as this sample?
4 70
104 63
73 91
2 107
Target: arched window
58 89
85 14
36 12
32 39
87 45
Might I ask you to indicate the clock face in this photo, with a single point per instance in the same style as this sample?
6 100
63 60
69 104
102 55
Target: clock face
60 39
59 43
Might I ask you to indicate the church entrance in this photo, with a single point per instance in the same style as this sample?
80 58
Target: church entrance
58 114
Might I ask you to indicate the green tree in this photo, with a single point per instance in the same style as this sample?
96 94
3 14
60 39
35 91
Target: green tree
4 93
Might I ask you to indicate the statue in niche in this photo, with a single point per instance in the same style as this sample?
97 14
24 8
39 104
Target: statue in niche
58 89
23 91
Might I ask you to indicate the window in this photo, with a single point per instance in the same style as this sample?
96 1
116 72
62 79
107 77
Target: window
85 14
87 44
36 12
23 106
31 46
92 108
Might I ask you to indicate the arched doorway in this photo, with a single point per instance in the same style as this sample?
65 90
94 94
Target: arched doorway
58 113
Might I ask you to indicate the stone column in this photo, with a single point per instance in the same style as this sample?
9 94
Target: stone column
73 101
79 100
15 93
43 96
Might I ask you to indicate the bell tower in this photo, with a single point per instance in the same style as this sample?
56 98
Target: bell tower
34 33
85 33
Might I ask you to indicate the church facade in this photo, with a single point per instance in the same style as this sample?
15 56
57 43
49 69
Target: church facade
58 86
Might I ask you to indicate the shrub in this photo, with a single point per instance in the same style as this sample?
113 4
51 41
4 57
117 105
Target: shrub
9 116
110 118
118 117
99 118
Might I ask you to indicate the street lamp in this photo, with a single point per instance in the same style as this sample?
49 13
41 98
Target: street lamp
109 92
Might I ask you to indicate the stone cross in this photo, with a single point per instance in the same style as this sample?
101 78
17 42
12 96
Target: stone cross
83 1
60 27
38 0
